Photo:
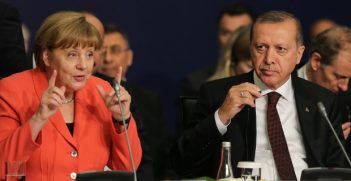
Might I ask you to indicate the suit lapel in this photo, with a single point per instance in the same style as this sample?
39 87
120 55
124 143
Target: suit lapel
58 122
306 110
251 132
80 115
41 84
248 124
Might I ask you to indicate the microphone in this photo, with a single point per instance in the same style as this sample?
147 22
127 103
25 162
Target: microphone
323 112
117 87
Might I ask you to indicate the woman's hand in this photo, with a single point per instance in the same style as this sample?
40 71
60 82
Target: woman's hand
111 101
50 101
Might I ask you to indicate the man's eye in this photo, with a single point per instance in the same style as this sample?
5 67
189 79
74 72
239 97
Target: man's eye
115 50
281 50
225 33
261 48
339 77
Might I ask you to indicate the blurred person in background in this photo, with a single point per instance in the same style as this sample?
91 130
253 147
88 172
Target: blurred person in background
320 25
329 66
95 21
230 18
12 50
235 57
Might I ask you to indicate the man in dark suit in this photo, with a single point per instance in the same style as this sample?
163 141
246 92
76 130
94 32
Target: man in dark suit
239 109
145 106
329 66
12 52
231 17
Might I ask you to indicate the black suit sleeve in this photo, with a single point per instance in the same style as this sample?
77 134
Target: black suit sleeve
12 52
193 154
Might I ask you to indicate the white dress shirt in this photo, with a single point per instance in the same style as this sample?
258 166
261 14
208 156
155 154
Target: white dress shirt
302 72
287 111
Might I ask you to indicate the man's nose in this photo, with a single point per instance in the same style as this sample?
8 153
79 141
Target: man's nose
344 84
107 57
270 56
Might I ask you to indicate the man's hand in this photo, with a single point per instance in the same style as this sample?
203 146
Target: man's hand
237 97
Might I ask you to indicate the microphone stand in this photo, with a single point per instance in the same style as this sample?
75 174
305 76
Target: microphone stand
117 88
322 110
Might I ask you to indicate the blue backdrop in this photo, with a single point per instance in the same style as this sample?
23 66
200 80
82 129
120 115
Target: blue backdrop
171 38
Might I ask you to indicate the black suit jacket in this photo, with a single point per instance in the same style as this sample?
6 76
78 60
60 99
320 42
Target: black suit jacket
12 52
345 107
198 149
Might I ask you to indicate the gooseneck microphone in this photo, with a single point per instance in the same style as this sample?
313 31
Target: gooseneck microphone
323 112
117 88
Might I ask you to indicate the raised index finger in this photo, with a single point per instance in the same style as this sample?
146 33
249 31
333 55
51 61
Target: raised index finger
52 79
119 75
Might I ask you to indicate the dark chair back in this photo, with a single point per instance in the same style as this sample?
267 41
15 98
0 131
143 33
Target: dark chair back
187 109
105 176
332 174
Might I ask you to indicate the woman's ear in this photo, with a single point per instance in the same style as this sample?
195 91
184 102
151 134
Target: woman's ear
46 58
315 61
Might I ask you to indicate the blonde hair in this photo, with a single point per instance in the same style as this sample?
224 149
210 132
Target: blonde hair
63 30
224 67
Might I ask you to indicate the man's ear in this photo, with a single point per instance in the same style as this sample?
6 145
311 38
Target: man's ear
300 51
130 57
315 61
46 58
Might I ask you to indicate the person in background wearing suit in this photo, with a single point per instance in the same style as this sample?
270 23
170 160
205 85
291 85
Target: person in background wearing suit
249 109
58 118
230 18
317 26
329 66
145 169
12 52
145 106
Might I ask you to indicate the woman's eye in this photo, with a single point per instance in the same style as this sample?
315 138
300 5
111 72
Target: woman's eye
90 55
72 55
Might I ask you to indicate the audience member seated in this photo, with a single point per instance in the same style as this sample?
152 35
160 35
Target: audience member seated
235 56
95 21
320 25
230 18
269 116
58 118
329 65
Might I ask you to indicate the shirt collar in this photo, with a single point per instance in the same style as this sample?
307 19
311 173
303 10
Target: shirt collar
302 72
286 90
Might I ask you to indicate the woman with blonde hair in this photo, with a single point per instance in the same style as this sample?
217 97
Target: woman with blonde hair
58 118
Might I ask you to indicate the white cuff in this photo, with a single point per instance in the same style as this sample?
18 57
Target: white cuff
222 128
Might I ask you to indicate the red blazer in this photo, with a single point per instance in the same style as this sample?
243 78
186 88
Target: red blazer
52 156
